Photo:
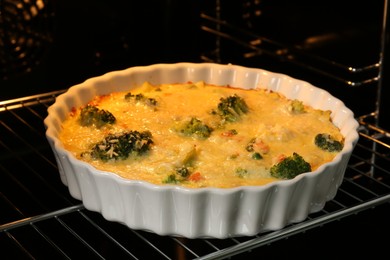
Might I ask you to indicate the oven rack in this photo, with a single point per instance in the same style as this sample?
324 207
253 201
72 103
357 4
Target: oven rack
230 41
38 214
253 46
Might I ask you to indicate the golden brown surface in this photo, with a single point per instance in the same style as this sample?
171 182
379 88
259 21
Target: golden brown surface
214 161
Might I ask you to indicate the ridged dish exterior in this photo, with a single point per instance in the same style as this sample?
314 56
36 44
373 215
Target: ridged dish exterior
204 212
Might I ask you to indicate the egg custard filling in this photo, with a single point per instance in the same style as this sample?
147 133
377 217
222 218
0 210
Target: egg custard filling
201 135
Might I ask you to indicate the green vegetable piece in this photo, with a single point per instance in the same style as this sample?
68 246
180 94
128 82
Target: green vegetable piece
290 167
231 109
231 132
257 156
91 115
141 98
249 147
171 179
183 171
297 107
241 172
328 143
180 174
195 128
121 146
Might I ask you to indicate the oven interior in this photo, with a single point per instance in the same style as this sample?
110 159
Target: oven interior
47 46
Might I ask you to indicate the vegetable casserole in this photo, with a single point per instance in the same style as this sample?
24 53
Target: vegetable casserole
201 135
180 198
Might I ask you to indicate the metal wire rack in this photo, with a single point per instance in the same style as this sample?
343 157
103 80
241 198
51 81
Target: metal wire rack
234 42
40 220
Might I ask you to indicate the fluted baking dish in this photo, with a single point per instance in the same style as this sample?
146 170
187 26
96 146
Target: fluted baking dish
202 212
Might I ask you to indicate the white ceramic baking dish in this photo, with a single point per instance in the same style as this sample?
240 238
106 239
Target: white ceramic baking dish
204 212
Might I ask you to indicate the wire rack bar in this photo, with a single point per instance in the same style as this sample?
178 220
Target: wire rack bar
34 219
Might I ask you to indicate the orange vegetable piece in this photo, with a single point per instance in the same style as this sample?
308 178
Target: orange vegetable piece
196 176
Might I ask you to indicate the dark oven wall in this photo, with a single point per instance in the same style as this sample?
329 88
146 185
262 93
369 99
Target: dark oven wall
49 45
63 42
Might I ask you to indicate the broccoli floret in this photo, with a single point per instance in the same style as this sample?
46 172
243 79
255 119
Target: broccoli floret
297 107
91 115
328 143
290 167
171 179
179 175
231 109
195 128
257 156
141 98
241 172
183 171
250 147
121 146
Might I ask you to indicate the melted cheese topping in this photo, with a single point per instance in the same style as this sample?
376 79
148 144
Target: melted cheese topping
215 160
